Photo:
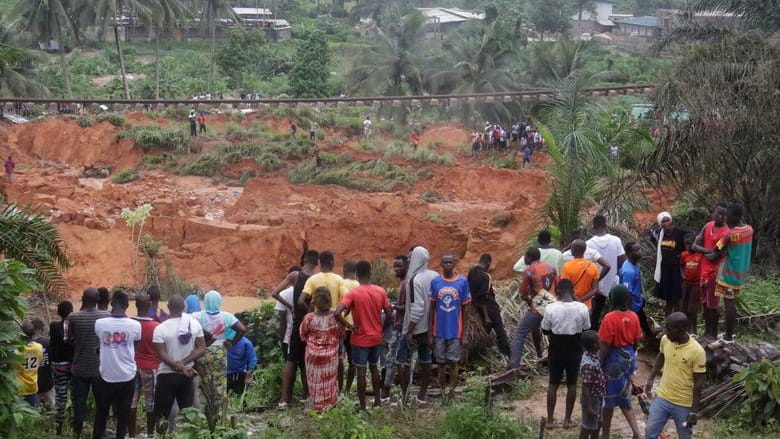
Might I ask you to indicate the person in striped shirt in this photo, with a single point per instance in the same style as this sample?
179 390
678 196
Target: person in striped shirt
733 250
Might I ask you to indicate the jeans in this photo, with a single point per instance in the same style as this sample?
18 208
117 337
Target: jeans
660 412
118 396
531 322
79 393
173 387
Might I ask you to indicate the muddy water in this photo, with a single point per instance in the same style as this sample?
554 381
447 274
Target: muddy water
232 304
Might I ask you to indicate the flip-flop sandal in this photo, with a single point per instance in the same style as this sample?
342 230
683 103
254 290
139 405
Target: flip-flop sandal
569 424
551 425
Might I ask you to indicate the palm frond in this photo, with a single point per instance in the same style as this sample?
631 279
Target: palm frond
31 239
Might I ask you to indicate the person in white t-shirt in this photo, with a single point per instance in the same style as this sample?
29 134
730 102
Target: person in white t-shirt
179 342
367 128
611 250
118 335
564 322
285 318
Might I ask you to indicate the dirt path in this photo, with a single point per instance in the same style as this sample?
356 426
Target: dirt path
534 408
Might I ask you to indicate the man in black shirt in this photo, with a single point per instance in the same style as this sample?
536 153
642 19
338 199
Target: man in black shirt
484 300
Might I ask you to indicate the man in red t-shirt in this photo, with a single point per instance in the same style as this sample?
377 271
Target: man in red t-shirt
705 244
415 139
147 362
366 302
538 277
690 263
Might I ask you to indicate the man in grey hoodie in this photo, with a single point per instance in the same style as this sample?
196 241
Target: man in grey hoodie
416 321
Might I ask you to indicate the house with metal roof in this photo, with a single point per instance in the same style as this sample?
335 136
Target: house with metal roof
443 21
646 26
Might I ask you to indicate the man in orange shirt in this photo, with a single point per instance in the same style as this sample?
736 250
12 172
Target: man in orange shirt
537 277
582 273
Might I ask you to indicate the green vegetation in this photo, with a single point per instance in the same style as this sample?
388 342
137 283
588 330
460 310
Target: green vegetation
155 137
207 165
112 118
36 243
759 296
310 71
125 176
15 279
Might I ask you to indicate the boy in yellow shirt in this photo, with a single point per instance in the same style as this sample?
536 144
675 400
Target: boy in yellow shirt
27 371
684 363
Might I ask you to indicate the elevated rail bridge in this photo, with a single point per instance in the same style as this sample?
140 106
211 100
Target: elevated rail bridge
88 105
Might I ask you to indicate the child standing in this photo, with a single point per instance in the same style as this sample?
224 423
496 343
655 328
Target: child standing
27 372
450 294
690 262
322 333
594 384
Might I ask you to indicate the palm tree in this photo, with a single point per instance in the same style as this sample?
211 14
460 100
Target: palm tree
559 60
165 15
213 11
392 66
49 20
14 80
567 125
104 13
29 238
481 66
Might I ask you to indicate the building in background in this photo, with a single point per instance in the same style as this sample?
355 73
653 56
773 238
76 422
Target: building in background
441 22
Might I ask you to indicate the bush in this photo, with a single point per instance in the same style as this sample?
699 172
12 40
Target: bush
269 161
155 137
85 121
15 279
113 119
233 153
430 196
340 422
125 176
206 166
471 420
759 296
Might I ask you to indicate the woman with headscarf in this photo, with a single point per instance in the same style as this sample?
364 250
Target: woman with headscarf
225 329
670 243
619 334
223 326
192 303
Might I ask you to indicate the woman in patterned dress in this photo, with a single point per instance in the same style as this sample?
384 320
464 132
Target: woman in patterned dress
321 333
211 369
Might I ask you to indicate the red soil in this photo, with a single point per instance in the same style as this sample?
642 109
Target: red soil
235 239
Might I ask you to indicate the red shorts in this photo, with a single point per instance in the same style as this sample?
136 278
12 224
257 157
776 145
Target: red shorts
707 294
691 302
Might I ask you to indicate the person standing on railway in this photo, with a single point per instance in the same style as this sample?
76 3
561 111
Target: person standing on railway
415 139
367 129
202 122
193 119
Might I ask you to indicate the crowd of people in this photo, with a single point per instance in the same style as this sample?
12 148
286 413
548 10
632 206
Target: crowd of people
495 137
168 357
336 329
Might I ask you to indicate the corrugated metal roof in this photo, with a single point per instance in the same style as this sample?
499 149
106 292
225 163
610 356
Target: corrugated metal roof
449 15
252 11
646 21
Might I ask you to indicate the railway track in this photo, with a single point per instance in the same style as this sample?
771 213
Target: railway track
445 100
